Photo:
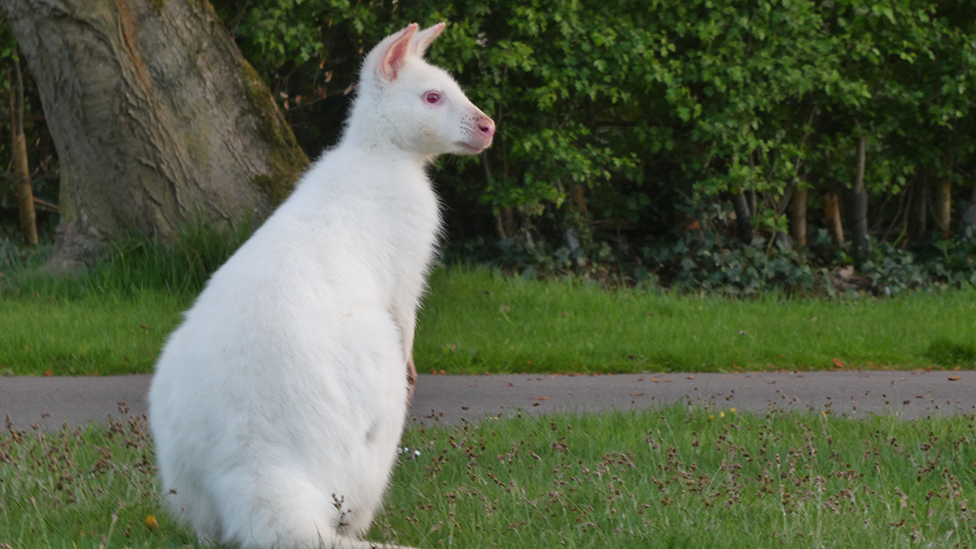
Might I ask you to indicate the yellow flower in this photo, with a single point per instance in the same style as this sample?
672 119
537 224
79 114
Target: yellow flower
151 522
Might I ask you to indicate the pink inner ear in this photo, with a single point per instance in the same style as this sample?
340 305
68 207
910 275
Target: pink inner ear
396 53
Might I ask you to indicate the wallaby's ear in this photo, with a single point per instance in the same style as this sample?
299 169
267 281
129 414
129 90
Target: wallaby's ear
424 38
396 52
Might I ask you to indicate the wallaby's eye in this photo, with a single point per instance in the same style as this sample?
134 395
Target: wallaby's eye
432 97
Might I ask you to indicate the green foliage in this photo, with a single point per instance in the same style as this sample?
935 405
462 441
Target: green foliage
712 260
14 255
708 262
648 106
939 262
285 34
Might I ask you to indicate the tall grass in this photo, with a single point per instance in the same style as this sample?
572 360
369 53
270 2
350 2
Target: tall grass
676 477
135 265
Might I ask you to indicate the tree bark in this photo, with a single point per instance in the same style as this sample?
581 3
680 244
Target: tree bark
157 119
832 212
835 225
579 198
505 222
967 221
942 207
743 216
798 215
22 182
859 204
918 207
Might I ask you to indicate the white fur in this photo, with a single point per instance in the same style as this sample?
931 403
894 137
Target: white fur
286 383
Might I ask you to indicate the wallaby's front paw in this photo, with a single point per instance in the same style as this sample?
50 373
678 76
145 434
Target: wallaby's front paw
411 380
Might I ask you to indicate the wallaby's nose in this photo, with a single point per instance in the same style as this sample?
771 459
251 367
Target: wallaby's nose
486 126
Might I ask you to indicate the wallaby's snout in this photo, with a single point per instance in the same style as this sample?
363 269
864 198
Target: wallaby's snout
486 128
479 133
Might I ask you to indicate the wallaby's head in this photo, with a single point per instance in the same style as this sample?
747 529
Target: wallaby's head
404 101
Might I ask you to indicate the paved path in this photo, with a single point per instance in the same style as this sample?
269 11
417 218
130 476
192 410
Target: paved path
50 402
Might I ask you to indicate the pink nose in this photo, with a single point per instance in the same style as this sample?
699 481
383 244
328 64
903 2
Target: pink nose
486 126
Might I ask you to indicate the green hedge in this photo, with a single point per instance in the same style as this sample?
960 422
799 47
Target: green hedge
637 101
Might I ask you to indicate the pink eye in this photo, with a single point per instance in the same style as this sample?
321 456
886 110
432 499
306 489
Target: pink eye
432 97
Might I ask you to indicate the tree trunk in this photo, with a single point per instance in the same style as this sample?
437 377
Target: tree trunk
943 207
798 215
743 216
570 234
918 207
832 212
835 225
157 119
967 221
505 223
859 204
22 182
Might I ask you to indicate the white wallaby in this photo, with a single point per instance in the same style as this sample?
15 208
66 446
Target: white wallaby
278 404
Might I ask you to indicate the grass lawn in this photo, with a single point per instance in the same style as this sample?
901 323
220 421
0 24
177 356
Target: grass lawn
86 335
677 477
476 321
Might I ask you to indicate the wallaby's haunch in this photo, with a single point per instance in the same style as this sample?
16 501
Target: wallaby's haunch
278 404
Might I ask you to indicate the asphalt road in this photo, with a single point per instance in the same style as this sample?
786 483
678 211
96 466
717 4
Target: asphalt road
50 402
